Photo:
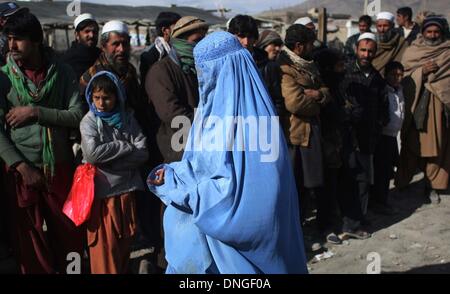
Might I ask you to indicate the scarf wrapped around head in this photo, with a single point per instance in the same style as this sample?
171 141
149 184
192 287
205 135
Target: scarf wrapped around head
185 54
268 37
30 96
114 117
161 45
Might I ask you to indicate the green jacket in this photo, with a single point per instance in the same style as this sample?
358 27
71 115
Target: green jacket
25 143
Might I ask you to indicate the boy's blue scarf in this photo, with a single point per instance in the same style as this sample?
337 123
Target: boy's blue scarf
114 117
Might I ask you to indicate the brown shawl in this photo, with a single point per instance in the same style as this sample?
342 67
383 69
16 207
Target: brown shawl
102 63
128 79
438 83
429 144
389 51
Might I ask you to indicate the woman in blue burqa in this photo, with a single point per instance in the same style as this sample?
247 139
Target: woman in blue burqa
231 208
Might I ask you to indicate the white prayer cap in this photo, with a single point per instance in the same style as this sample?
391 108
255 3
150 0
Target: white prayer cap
386 15
82 17
367 36
303 21
115 26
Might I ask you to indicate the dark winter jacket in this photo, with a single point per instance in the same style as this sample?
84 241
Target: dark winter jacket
80 57
173 93
271 74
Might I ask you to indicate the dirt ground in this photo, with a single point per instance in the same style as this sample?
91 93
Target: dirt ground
415 240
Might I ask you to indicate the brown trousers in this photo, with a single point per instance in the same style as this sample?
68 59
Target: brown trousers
38 251
110 230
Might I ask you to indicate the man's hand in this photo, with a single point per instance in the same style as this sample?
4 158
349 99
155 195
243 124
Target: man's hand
159 178
21 115
429 67
31 176
315 94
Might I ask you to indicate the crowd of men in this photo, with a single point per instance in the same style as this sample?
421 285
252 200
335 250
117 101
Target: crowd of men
342 112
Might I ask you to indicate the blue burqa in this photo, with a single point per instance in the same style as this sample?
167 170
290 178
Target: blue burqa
230 209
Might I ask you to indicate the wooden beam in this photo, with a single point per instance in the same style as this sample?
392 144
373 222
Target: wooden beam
322 31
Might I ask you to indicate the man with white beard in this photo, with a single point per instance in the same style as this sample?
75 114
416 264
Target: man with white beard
390 45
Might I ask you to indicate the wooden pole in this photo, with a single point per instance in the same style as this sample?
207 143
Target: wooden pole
322 34
138 35
67 37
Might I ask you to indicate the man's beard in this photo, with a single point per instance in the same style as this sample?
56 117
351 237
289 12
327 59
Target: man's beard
121 67
385 37
433 42
16 55
365 66
89 43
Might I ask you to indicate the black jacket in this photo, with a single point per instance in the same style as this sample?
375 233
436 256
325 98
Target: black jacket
80 57
367 105
412 35
271 74
148 58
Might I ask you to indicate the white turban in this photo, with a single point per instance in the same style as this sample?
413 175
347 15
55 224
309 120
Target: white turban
115 26
386 15
303 21
367 36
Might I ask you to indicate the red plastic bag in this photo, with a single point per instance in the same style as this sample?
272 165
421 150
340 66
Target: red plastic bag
79 202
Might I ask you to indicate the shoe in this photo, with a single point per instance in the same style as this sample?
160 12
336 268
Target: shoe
315 247
332 238
434 197
355 234
146 267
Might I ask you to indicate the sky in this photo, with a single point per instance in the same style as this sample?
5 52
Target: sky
237 6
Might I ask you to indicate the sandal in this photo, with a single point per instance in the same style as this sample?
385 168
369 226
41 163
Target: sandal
356 234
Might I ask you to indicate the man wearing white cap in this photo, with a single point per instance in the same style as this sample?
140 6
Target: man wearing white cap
367 107
84 51
307 22
115 55
390 44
